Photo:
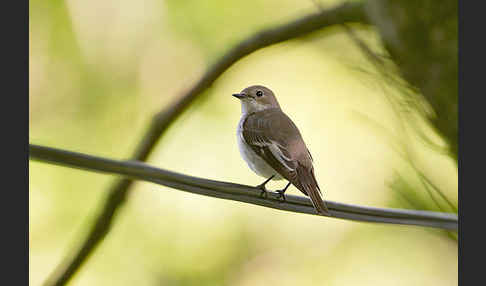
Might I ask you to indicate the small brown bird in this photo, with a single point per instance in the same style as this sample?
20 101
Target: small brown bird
272 146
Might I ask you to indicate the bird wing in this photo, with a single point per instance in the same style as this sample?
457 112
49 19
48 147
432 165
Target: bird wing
275 138
269 134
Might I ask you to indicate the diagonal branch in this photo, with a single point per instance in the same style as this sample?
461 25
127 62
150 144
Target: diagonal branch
236 192
346 13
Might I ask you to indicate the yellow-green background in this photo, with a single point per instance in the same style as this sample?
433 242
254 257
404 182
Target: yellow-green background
99 70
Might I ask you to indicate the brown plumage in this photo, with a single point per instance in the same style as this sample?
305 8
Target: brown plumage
273 136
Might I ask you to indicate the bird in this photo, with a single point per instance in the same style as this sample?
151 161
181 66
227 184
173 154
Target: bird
272 146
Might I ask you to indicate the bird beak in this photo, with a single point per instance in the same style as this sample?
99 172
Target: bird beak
239 95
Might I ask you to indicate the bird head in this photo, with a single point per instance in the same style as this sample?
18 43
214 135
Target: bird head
256 98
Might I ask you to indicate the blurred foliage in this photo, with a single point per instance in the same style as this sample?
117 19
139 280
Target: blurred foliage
99 70
420 44
421 37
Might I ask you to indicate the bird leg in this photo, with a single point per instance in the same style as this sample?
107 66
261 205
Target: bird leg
281 193
263 193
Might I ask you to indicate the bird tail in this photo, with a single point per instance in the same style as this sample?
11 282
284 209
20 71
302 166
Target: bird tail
307 183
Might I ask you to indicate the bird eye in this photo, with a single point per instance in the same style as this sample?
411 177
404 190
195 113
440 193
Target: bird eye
259 93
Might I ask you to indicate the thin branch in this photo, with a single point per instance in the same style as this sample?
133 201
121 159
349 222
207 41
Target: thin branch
434 186
430 193
224 190
346 13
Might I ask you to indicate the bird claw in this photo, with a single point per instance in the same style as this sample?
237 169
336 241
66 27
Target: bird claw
281 194
264 192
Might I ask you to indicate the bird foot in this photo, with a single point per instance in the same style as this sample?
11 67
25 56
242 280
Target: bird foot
264 192
281 194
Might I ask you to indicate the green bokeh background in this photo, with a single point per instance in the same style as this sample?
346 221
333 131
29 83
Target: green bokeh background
99 70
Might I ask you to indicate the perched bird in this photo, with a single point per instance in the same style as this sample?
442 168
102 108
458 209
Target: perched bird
272 146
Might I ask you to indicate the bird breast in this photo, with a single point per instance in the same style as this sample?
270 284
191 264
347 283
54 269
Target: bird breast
255 162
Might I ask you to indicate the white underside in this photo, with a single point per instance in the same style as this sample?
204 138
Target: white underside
255 162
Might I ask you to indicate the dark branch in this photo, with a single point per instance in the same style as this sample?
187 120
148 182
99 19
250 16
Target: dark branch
237 192
346 13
